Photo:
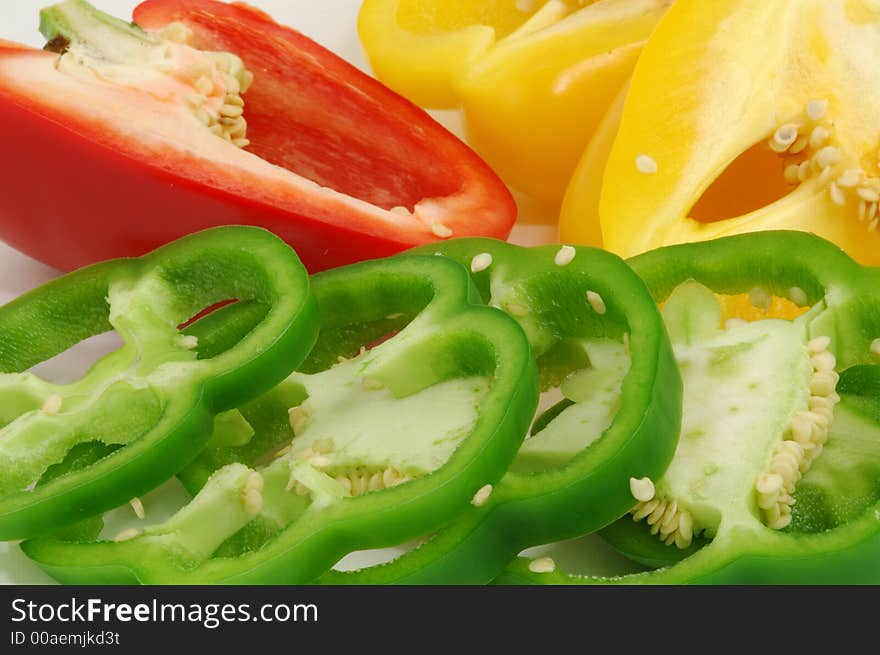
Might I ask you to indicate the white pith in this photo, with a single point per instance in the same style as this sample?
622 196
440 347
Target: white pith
744 461
595 392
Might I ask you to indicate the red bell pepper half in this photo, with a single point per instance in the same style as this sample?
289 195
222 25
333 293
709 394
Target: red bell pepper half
106 164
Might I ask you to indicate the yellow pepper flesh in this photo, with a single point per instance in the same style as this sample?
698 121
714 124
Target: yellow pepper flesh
532 103
420 47
533 78
700 148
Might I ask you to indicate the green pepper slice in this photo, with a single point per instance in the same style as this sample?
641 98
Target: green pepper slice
597 334
142 412
779 495
414 397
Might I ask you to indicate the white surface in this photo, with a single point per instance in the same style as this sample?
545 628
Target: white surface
333 24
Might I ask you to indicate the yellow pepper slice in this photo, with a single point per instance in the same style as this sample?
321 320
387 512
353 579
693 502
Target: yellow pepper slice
420 47
533 77
742 115
532 102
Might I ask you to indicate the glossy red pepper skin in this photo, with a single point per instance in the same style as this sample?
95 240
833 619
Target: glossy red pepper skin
77 190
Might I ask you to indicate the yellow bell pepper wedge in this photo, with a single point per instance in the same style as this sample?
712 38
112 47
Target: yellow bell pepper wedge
742 115
532 102
420 47
533 77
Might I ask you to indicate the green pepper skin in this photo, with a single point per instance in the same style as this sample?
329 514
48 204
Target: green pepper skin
153 295
844 556
847 553
456 334
592 489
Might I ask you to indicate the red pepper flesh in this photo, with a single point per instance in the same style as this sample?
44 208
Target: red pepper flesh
84 184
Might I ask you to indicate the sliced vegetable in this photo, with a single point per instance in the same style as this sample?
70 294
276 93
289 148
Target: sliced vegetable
775 477
361 449
141 413
533 102
598 336
533 78
206 113
780 136
421 48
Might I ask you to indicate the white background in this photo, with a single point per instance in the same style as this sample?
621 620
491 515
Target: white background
333 24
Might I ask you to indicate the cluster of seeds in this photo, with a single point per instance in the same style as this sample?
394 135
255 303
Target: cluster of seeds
357 481
219 106
673 524
808 434
808 149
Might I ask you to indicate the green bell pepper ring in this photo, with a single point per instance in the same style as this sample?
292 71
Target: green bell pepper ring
780 496
145 410
363 448
582 309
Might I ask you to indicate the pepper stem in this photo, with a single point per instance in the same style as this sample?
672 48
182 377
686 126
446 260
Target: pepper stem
102 35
